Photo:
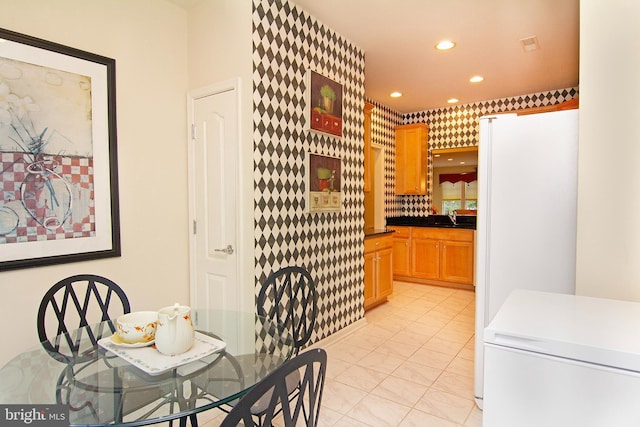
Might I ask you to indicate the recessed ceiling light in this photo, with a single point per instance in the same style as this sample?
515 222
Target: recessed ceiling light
445 45
476 79
450 160
453 100
395 94
462 163
436 155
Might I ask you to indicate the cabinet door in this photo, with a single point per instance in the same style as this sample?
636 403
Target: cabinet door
384 272
401 256
411 159
413 180
369 278
457 262
425 258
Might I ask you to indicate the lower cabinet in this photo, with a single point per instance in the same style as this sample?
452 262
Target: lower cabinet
401 251
434 255
378 270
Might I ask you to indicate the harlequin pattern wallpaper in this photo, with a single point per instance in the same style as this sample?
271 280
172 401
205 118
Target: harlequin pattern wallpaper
287 43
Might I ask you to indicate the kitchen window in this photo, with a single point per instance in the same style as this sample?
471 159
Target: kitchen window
459 195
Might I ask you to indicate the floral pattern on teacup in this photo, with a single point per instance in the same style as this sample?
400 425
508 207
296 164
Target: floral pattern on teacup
148 331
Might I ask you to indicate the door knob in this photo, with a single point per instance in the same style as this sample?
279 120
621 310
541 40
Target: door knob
228 250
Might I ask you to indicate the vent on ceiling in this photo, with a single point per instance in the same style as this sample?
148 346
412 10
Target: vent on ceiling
529 44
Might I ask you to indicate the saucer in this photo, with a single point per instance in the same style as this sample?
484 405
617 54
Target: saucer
117 340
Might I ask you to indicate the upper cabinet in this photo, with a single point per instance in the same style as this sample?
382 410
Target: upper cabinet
367 146
411 158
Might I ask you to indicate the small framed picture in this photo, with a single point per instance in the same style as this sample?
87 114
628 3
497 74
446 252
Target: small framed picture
323 183
323 111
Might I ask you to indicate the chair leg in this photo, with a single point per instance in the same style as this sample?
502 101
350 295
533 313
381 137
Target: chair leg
183 421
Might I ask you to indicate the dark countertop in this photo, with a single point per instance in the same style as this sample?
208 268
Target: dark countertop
374 232
440 221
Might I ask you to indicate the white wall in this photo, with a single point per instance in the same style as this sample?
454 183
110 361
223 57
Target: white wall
608 253
148 39
220 49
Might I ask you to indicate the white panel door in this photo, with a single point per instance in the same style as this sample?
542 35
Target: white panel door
214 174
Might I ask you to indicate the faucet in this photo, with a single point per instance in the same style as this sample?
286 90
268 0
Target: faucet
452 217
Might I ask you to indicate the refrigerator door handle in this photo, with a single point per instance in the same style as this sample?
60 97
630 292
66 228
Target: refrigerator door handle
512 341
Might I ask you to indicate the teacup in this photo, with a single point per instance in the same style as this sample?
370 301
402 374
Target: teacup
137 327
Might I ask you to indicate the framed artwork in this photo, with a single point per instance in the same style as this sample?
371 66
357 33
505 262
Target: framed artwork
323 183
58 160
323 104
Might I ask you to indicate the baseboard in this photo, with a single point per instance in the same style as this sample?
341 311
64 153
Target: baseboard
340 335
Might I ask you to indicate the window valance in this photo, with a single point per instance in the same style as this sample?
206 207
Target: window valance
457 177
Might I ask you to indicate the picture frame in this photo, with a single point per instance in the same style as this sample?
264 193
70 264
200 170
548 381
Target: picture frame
323 183
58 154
324 104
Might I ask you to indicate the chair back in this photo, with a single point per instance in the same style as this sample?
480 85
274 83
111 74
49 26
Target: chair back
282 407
78 302
289 298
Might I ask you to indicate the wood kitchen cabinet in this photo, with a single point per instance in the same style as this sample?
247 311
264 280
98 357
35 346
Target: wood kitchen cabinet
401 250
425 257
411 158
441 256
378 270
456 261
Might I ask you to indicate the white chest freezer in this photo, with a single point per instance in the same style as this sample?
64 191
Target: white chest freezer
562 360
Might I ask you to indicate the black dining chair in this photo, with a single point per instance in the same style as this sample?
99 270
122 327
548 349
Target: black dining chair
70 311
289 298
74 309
273 394
76 303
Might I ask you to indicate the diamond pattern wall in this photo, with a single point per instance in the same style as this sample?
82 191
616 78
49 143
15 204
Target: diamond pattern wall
286 43
450 127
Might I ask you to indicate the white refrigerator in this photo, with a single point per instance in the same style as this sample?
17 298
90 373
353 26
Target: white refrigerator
526 225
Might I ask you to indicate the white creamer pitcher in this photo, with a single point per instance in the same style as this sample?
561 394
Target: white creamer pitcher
174 333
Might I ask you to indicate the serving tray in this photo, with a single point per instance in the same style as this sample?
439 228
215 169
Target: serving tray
151 361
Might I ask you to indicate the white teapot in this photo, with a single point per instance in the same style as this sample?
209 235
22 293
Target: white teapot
174 332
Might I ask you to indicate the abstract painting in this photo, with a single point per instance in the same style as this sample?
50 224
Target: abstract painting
58 177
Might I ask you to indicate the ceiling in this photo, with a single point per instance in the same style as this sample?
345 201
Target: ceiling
398 38
454 158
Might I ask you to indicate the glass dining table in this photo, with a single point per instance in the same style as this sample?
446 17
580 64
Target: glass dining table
101 384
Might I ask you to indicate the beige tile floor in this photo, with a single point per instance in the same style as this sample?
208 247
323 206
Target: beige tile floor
410 365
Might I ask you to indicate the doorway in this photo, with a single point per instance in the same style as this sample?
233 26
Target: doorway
374 213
